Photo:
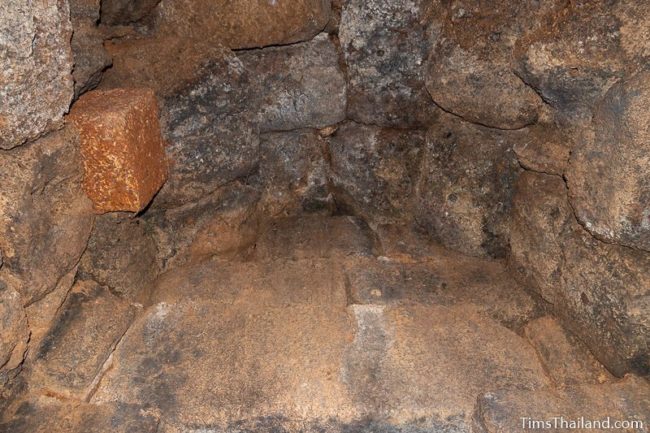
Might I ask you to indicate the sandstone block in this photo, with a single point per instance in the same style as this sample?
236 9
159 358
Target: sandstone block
374 170
609 180
122 148
35 66
87 328
45 217
600 291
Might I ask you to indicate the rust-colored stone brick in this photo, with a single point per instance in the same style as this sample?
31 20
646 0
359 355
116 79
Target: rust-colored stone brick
123 150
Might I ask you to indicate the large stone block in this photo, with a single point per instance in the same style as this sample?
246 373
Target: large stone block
294 173
84 333
122 148
374 170
243 23
609 178
600 291
35 68
385 45
45 217
580 50
300 86
465 186
469 72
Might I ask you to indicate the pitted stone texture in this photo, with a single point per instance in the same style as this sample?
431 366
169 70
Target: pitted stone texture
609 178
401 353
83 335
294 173
444 278
123 151
35 66
14 332
299 86
274 283
600 291
224 223
627 400
469 72
566 359
209 364
243 23
213 137
121 255
374 170
582 49
315 237
385 45
545 148
466 184
116 12
41 414
45 217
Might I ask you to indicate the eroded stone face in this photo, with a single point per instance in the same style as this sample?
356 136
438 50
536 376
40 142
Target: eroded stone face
385 45
243 23
122 148
35 68
469 72
600 291
465 186
300 86
609 177
14 333
374 170
581 50
45 217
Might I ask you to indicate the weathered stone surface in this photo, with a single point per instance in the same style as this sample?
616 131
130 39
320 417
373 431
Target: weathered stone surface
40 414
243 23
121 255
155 63
315 237
35 66
83 335
544 148
609 179
225 223
600 291
45 218
581 50
123 152
212 134
400 354
14 332
627 400
469 71
446 278
126 11
566 359
274 283
294 173
465 188
257 361
374 170
385 45
90 56
300 86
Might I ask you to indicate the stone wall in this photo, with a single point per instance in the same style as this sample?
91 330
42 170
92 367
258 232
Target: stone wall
517 131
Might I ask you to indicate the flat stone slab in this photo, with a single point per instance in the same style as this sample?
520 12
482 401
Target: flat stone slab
275 283
40 414
312 237
248 367
81 338
510 410
443 279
